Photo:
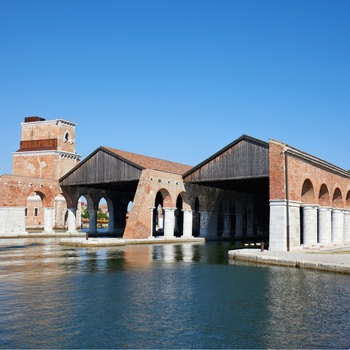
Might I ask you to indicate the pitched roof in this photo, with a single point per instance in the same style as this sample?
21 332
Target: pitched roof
146 162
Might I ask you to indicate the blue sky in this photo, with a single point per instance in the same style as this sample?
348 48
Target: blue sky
178 80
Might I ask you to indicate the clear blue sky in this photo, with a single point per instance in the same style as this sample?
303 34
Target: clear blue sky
177 79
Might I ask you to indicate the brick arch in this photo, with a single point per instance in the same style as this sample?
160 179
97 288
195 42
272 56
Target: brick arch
167 199
323 196
347 202
186 201
337 201
308 192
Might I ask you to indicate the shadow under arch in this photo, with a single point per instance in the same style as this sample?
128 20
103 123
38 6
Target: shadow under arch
323 196
307 192
162 200
337 200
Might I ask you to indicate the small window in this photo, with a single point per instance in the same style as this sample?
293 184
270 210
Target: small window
66 137
26 211
36 211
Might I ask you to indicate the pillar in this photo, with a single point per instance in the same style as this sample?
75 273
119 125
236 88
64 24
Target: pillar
72 228
347 226
93 221
203 228
153 224
187 224
227 226
337 225
208 222
169 222
310 225
239 225
48 220
325 225
250 225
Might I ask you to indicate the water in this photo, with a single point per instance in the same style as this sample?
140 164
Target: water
164 296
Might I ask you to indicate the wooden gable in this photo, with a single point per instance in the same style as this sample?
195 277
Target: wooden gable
101 167
244 158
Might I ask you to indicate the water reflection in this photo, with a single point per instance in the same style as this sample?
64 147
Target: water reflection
163 296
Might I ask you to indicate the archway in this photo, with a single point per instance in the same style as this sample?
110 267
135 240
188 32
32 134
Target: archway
158 215
34 214
179 217
196 219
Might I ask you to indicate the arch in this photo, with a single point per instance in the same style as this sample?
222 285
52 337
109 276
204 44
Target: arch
307 192
34 218
158 211
179 217
67 137
347 203
337 201
323 196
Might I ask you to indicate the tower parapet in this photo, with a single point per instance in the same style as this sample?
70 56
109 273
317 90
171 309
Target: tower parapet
47 148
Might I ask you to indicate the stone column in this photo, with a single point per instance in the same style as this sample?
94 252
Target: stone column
347 226
294 224
71 222
278 224
213 225
310 225
187 224
169 222
337 225
239 225
325 225
48 220
203 229
93 221
227 226
153 224
250 225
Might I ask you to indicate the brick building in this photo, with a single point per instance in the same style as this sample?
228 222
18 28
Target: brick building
250 190
31 198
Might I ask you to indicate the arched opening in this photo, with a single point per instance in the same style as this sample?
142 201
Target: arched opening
85 205
347 204
337 201
158 216
307 192
323 197
128 209
34 219
196 219
179 217
102 216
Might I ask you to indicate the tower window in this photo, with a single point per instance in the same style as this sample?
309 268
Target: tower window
36 211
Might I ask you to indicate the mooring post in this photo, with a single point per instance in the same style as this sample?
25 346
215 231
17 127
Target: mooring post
87 235
262 247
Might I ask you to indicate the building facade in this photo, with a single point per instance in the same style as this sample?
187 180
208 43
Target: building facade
31 198
250 190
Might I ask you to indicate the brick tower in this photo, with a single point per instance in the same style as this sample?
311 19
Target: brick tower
47 148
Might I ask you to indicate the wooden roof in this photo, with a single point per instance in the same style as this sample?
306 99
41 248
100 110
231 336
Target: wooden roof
109 165
246 157
145 162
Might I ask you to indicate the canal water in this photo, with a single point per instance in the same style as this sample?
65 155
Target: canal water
163 296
